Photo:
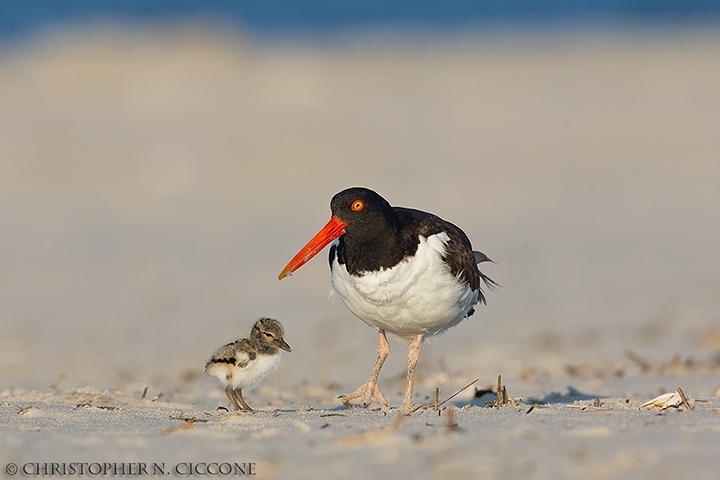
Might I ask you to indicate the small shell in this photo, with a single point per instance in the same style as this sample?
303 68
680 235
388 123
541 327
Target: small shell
664 401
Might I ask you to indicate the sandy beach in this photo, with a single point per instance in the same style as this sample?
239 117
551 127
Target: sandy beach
154 182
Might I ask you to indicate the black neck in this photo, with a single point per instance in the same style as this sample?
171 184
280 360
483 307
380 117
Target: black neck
374 249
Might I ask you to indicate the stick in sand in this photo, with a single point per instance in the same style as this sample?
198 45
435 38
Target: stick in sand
451 396
684 399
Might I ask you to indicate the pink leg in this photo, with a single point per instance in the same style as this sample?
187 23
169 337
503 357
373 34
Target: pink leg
413 356
369 389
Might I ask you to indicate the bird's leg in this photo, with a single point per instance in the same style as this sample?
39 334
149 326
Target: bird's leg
413 355
238 396
231 395
369 389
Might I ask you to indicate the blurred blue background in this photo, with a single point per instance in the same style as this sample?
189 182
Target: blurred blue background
19 18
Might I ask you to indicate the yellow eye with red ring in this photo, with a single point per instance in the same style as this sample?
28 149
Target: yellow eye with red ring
357 205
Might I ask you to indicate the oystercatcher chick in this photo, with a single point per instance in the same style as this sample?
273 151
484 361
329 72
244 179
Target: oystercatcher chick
246 361
399 270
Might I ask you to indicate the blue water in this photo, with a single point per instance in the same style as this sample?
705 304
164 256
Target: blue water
23 18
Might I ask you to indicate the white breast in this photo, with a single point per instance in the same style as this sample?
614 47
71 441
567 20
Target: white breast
255 371
417 296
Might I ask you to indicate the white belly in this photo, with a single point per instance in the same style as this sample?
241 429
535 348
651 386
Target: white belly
417 296
255 371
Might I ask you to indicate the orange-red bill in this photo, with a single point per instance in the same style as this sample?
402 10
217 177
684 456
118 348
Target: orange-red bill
332 230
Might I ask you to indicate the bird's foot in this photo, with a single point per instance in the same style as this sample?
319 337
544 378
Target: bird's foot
406 408
244 410
365 393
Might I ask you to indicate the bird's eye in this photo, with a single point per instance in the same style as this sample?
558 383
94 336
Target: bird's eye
267 334
357 205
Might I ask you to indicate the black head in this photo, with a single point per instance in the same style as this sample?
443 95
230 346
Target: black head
362 219
365 212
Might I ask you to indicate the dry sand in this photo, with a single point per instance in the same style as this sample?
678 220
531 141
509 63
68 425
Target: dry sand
153 184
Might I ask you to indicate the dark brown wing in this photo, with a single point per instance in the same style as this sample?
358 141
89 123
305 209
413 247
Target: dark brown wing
459 253
233 355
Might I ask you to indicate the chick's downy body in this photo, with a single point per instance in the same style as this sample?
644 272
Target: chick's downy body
246 361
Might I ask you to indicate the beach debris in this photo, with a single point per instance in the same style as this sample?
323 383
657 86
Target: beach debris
684 399
89 395
234 414
436 406
536 405
662 402
502 396
157 397
451 425
596 405
190 419
372 435
144 394
668 400
458 392
90 405
187 424
56 383
27 410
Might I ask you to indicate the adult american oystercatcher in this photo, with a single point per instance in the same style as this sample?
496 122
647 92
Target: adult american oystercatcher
399 270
